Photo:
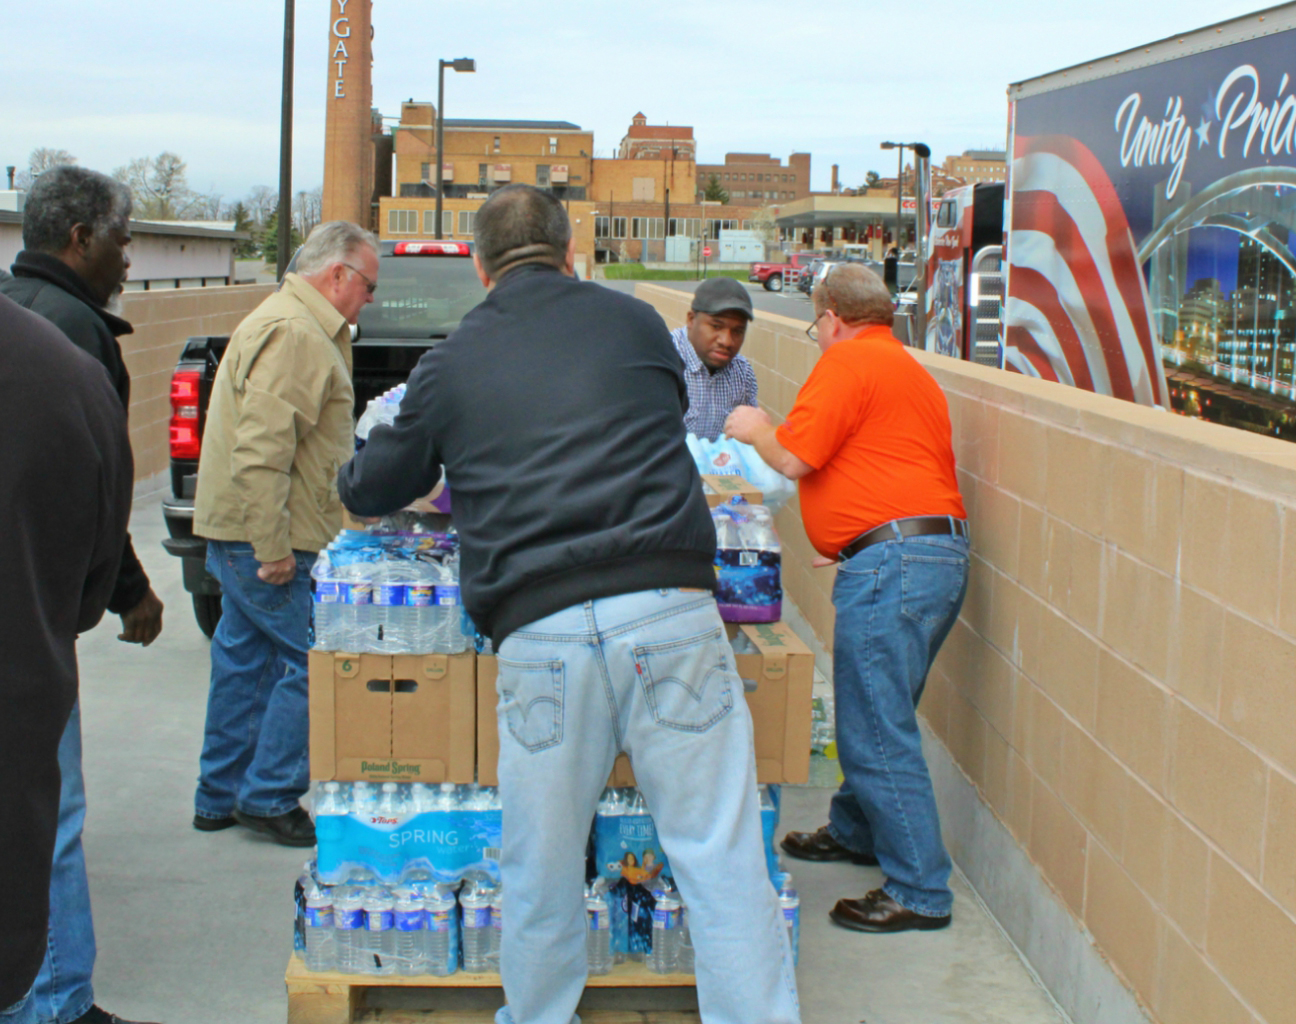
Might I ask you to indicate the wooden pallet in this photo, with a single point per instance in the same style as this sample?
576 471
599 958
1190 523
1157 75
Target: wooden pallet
462 998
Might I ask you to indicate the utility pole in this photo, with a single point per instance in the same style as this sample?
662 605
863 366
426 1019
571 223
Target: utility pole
285 144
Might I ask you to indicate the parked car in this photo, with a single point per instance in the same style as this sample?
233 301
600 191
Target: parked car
772 275
424 290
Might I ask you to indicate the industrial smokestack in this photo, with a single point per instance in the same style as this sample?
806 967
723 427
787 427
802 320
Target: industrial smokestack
835 186
11 168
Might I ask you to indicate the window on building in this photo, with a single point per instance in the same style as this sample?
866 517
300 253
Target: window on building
483 176
466 218
553 145
402 222
425 172
601 227
497 138
542 175
618 227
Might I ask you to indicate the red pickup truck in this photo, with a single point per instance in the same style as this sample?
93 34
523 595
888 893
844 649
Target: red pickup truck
772 275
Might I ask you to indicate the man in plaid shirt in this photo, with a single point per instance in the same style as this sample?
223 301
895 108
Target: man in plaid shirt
718 378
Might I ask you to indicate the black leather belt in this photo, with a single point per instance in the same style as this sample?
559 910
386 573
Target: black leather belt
916 526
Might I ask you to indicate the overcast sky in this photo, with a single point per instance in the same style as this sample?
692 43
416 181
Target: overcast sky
113 81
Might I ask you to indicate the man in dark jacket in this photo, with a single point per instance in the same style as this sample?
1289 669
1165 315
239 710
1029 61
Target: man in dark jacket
557 410
76 226
64 522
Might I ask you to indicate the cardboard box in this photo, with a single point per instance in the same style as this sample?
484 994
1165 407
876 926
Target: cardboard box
783 670
726 487
404 717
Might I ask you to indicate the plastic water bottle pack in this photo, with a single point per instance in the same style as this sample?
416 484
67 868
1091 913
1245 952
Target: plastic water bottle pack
390 593
403 833
372 929
749 584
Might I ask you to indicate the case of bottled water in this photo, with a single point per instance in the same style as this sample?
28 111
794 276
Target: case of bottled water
446 834
389 593
749 586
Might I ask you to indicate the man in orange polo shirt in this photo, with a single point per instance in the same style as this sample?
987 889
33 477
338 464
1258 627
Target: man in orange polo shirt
869 442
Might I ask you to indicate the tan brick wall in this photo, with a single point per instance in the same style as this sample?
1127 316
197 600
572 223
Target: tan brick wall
580 212
1121 684
348 126
614 180
162 321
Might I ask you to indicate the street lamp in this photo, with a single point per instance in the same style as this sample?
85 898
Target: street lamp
458 64
900 147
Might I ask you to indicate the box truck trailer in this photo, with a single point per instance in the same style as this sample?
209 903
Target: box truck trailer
1142 244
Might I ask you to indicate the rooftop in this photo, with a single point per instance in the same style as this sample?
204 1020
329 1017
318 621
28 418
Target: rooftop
512 126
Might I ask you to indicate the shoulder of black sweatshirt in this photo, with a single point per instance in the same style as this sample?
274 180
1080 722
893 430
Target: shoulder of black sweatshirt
49 287
557 411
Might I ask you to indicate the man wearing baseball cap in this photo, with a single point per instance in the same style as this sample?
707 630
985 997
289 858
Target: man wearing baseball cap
718 378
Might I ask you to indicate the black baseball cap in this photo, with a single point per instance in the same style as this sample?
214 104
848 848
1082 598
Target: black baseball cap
722 295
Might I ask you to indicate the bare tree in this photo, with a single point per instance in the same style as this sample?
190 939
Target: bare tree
261 202
159 186
209 206
306 209
40 161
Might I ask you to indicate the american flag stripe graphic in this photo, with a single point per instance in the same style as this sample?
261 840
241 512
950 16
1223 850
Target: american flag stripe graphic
1078 310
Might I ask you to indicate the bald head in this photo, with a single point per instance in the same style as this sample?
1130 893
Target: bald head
521 224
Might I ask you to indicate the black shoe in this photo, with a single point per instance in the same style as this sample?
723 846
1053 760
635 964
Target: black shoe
878 912
292 828
95 1015
820 845
204 824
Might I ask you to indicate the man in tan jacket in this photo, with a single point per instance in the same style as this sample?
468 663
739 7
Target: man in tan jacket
279 425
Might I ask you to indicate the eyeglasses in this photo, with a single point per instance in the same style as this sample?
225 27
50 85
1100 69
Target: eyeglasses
812 332
371 286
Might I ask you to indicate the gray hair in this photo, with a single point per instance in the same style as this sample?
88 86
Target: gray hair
856 294
65 196
521 224
334 241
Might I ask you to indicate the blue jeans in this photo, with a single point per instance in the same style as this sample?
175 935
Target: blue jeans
255 753
652 674
21 1012
63 989
896 602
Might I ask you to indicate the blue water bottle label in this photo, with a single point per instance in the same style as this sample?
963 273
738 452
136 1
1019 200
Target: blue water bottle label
327 591
598 921
420 595
477 917
438 920
319 917
379 920
389 595
409 920
355 593
665 918
348 920
447 594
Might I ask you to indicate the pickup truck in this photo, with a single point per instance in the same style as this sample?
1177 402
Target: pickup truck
772 275
424 290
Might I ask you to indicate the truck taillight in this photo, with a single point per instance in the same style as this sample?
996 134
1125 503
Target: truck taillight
185 440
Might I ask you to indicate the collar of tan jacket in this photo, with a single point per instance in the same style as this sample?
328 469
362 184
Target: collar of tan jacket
333 322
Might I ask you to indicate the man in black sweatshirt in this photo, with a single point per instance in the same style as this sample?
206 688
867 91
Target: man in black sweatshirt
76 227
65 486
557 411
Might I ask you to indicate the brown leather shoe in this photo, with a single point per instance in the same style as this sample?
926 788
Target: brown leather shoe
878 912
820 845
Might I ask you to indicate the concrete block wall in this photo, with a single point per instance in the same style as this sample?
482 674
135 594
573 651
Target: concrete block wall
162 322
1121 684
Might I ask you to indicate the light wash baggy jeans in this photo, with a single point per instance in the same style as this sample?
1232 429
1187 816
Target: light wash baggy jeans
650 673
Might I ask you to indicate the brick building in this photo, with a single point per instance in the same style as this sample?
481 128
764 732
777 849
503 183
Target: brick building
644 141
974 166
755 179
482 155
